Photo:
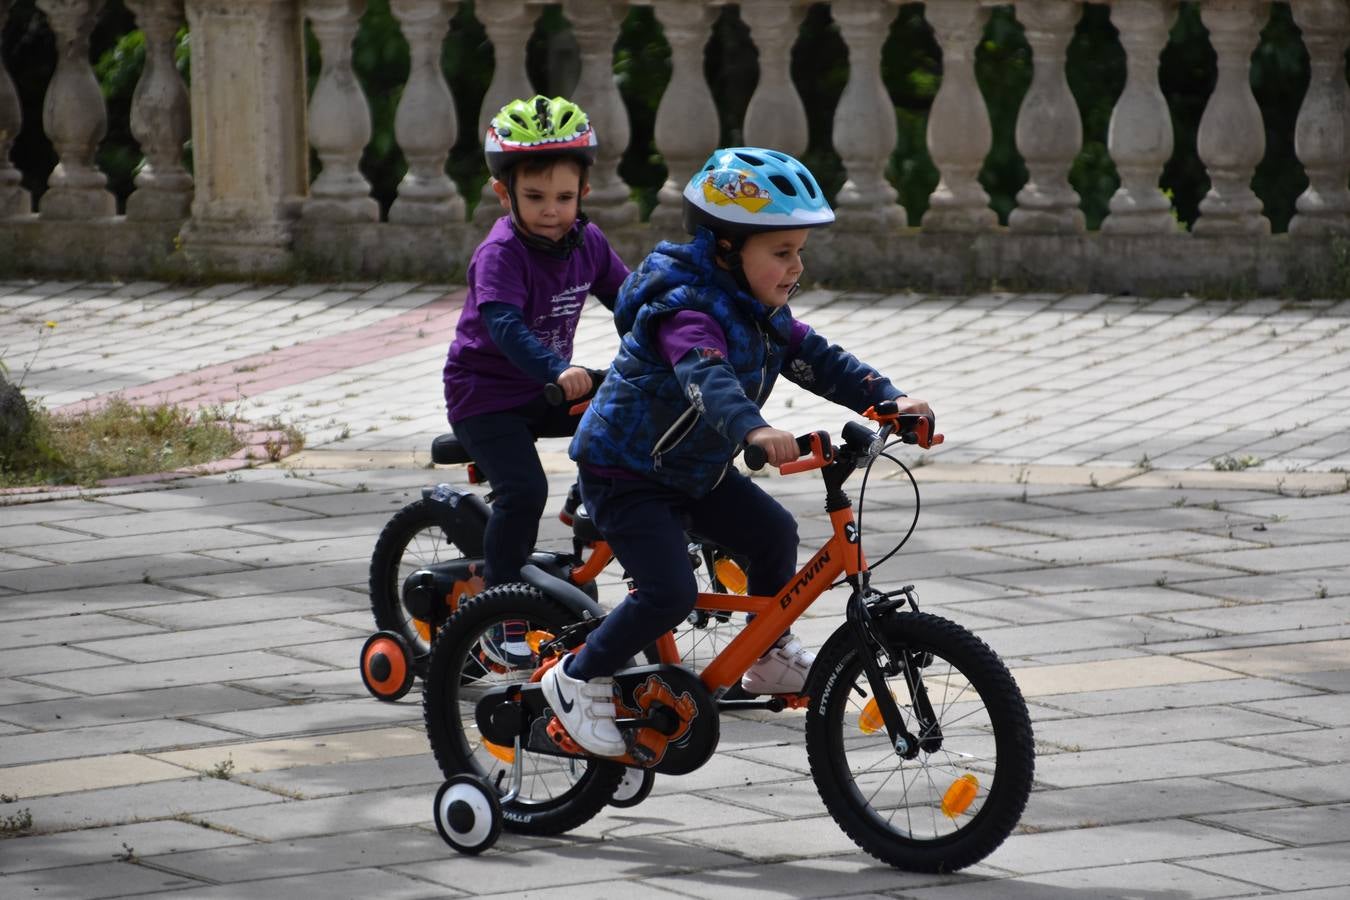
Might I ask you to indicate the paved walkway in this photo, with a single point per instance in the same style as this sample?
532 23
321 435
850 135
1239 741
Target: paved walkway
1141 506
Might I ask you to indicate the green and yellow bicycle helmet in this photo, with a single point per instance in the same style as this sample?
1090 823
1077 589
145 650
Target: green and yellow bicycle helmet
539 127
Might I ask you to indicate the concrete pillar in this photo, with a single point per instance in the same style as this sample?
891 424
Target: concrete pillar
775 117
864 123
1322 135
1232 138
686 129
1049 130
250 151
508 24
14 200
160 118
1140 135
74 117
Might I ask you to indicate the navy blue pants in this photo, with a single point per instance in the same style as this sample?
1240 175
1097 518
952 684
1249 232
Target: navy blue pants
645 525
502 445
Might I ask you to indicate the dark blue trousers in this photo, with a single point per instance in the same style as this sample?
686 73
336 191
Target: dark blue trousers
645 524
502 444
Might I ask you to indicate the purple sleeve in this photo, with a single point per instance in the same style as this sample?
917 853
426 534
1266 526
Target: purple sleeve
798 334
687 330
497 276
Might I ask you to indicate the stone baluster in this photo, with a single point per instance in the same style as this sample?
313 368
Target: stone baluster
864 123
595 23
250 153
160 119
339 118
1049 131
74 117
14 200
775 117
508 24
1322 135
1140 135
425 124
959 134
1232 137
687 129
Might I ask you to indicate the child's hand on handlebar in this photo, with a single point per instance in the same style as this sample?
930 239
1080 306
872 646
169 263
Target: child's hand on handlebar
575 382
913 405
779 446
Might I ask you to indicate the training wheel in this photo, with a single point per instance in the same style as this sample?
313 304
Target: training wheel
386 666
633 788
468 814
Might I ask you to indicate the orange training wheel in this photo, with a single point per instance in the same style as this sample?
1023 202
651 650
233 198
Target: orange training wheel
386 666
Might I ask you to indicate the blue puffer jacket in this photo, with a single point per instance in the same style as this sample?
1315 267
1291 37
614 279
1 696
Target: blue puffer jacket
682 426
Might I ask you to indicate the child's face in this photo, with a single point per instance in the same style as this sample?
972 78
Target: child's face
772 262
546 201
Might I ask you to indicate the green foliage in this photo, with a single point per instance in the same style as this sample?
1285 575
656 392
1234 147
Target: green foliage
911 71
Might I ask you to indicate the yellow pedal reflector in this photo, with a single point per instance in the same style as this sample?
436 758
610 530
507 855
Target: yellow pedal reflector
535 638
423 629
731 575
508 755
960 795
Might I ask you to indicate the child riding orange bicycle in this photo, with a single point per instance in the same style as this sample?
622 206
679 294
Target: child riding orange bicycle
707 331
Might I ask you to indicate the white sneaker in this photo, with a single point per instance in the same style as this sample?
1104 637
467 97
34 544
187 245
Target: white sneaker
782 670
585 708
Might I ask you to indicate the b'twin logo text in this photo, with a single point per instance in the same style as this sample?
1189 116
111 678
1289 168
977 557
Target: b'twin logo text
808 575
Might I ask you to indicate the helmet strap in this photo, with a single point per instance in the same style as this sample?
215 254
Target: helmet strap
731 259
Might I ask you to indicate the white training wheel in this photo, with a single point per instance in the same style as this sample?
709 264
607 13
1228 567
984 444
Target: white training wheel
468 814
633 788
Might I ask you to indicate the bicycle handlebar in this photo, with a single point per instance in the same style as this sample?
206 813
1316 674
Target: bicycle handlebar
554 396
913 428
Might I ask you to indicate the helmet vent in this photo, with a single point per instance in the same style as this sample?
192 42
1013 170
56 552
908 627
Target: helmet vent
751 160
784 185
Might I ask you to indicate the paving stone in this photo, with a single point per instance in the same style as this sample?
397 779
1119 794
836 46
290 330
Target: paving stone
73 848
1132 764
1327 745
36 661
1248 691
1113 674
1091 806
69 630
1133 573
83 774
286 753
1269 617
1322 709
559 868
208 612
202 642
1304 826
1124 882
141 802
307 856
133 569
86 600
853 875
148 676
1308 784
1080 848
1155 727
326 815
1279 660
133 736
312 717
105 879
167 703
176 520
334 778
239 582
1286 869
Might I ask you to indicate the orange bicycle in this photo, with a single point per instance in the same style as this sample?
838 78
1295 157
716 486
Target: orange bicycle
429 558
917 736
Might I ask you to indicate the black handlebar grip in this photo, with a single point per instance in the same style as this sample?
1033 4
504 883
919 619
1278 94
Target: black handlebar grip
755 457
553 395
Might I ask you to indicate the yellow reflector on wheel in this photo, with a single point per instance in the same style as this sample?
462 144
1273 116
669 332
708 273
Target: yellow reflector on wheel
535 638
870 722
960 795
731 575
423 629
508 755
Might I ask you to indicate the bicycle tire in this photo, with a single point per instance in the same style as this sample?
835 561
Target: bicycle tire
410 540
897 813
557 793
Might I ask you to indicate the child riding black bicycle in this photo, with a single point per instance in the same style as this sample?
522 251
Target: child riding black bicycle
706 333
527 284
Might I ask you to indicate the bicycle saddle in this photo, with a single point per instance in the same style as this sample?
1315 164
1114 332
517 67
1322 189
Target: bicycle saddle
447 450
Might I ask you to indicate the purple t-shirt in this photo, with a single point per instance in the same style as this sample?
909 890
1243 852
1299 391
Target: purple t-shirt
549 292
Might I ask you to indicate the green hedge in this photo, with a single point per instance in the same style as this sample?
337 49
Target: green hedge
911 70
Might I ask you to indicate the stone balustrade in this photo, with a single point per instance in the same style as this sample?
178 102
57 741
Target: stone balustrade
249 205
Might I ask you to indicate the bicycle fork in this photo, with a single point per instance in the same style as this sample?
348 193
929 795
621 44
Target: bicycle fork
879 661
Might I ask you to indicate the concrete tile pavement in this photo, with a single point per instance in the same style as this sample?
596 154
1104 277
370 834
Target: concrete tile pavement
180 714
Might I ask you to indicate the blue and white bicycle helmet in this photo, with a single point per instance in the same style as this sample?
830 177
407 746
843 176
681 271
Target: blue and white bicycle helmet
741 191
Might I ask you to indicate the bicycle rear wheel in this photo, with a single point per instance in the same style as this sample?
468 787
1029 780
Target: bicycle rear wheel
555 794
963 790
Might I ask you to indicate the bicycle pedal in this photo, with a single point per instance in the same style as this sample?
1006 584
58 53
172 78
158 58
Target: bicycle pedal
559 736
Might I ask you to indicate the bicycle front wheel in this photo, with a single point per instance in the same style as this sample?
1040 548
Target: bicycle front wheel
950 801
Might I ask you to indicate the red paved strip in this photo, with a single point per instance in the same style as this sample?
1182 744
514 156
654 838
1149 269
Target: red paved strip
249 376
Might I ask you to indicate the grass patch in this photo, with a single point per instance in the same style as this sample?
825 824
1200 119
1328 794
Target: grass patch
116 440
